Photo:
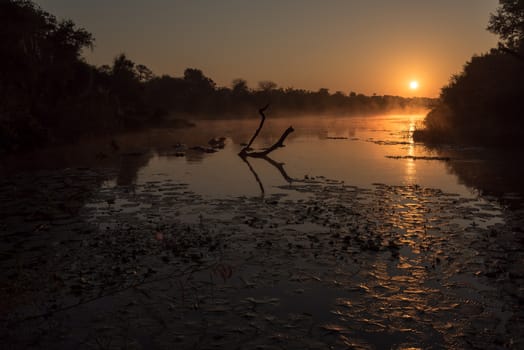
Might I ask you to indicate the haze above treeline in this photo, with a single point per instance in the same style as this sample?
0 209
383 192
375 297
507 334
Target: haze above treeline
368 46
49 93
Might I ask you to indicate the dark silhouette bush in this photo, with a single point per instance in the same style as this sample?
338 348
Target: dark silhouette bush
484 103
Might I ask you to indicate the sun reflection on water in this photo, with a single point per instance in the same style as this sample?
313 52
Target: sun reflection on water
411 168
399 292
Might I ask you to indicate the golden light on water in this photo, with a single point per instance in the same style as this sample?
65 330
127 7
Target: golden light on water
411 167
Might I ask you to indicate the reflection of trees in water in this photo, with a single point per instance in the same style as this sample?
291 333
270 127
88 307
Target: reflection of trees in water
30 199
492 172
129 167
324 133
141 145
195 156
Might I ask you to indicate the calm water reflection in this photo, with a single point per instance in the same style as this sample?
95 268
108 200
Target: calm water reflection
351 149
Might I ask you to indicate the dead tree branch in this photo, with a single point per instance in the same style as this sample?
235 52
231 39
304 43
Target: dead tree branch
278 144
245 152
248 146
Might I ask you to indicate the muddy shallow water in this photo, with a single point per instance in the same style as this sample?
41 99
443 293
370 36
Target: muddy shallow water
101 257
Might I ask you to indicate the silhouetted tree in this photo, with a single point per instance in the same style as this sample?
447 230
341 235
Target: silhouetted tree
239 87
165 94
267 85
483 104
41 70
508 23
198 81
144 74
126 87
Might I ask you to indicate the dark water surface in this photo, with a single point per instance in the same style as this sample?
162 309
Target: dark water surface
357 150
352 236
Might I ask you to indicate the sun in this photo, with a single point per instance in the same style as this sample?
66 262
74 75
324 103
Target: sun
413 85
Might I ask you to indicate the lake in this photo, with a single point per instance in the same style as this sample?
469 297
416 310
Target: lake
350 236
359 150
352 150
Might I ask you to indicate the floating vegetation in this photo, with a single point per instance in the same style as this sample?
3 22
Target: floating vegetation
86 265
445 159
389 142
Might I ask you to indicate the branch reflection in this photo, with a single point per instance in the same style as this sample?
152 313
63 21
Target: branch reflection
277 165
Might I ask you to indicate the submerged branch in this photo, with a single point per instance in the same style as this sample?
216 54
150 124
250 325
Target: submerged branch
278 144
244 153
248 146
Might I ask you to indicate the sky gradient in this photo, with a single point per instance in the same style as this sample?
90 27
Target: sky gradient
366 46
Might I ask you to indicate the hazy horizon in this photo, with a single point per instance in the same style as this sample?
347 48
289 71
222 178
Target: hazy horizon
363 46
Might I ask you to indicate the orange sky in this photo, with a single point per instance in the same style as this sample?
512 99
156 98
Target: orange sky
366 46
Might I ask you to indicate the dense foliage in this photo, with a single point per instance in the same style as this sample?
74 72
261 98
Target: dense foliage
48 93
484 104
508 23
41 70
196 95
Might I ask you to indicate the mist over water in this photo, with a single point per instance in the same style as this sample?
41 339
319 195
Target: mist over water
358 150
349 149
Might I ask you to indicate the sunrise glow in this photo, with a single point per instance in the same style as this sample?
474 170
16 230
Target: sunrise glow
413 85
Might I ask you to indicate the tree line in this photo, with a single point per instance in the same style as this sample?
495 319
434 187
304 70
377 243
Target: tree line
484 103
49 93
